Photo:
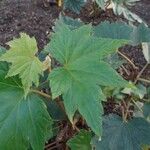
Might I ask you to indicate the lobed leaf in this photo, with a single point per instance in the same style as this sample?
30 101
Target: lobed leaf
81 141
131 135
82 71
24 121
23 61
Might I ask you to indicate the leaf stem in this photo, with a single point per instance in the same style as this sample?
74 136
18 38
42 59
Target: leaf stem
41 93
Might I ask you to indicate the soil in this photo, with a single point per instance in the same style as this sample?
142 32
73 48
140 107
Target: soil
26 16
36 20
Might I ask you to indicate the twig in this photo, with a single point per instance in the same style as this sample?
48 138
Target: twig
137 106
126 71
123 113
140 73
53 145
144 80
125 57
127 110
41 93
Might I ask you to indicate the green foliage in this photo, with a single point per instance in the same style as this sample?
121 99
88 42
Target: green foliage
74 5
146 110
131 135
114 60
117 30
140 34
81 141
82 79
23 61
138 91
72 23
120 30
120 7
24 121
101 3
81 56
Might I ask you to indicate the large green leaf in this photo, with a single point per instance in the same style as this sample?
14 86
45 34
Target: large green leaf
80 55
81 141
24 62
119 135
23 122
119 30
116 30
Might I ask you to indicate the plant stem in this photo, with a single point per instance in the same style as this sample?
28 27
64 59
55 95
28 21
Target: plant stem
125 57
127 110
41 93
137 105
144 80
140 73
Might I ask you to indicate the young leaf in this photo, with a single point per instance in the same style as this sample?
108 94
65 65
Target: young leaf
119 135
74 5
82 71
101 3
24 122
81 141
23 61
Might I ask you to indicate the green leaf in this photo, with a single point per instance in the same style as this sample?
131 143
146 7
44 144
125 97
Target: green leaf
120 8
23 122
114 60
117 30
82 70
140 34
119 135
138 91
74 5
2 50
81 141
146 110
23 61
101 3
72 23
